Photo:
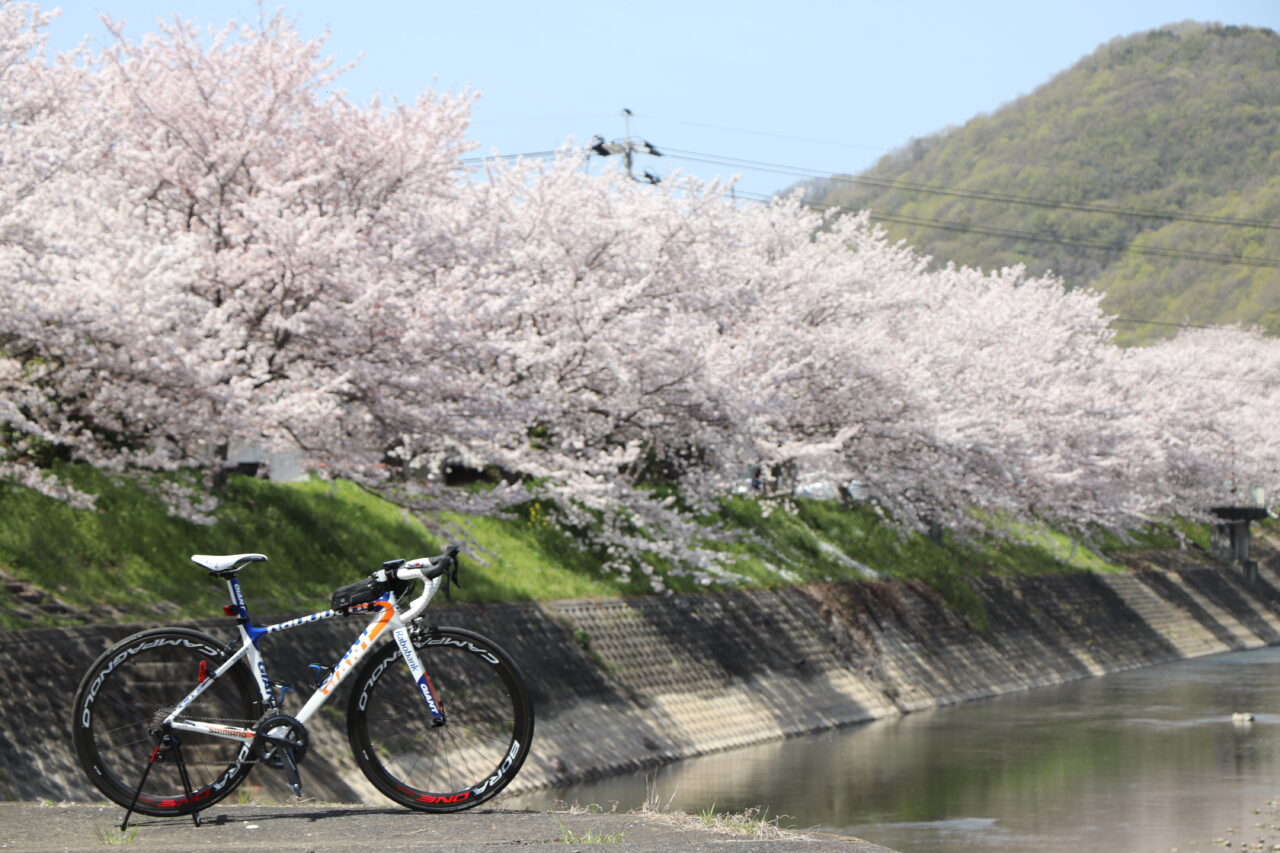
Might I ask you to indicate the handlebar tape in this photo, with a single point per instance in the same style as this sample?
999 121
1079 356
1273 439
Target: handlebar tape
446 562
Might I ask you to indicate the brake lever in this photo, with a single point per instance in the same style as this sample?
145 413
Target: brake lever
451 578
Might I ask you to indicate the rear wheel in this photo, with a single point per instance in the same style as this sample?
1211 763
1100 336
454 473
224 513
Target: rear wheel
473 755
126 695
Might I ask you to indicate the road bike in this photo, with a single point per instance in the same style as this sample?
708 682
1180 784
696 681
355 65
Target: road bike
169 721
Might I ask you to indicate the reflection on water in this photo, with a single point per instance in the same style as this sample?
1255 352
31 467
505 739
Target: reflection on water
1138 761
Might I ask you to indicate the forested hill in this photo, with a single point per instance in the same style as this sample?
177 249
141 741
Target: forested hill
1183 120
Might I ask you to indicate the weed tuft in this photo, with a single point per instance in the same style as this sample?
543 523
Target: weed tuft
591 836
112 836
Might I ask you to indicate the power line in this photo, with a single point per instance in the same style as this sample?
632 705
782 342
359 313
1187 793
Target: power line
934 189
995 231
985 195
1167 323
1138 249
526 119
966 227
991 230
1039 237
771 135
531 155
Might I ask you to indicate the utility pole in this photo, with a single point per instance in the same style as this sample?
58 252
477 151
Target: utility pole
628 146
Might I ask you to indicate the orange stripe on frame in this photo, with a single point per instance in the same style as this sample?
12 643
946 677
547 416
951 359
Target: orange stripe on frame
387 611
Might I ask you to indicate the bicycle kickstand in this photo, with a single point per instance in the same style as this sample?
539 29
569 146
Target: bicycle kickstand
155 753
186 779
165 742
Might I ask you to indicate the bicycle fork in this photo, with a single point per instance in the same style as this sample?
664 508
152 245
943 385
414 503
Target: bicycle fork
420 677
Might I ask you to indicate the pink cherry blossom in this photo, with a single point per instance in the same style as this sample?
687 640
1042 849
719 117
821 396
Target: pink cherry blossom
202 242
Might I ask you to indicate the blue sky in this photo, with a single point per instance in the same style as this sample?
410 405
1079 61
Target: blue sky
818 84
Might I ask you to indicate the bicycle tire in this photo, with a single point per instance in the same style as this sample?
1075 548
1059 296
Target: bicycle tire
473 755
123 697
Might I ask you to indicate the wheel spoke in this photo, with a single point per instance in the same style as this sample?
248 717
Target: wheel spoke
129 703
485 712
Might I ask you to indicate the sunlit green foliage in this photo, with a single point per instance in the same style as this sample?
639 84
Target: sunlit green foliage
127 560
1179 119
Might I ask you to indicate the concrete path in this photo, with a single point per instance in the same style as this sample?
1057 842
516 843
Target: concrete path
35 828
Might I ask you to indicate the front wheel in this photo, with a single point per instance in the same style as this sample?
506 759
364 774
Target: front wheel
473 755
122 702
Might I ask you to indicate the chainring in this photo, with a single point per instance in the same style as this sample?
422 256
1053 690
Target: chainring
268 734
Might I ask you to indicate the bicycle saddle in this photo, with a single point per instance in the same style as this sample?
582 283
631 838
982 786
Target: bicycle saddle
226 565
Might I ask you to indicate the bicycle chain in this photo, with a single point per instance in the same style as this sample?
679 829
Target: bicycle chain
228 720
239 721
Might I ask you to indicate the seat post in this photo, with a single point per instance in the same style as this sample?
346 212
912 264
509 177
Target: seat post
239 608
237 596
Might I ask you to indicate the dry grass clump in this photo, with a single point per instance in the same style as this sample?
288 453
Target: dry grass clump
749 823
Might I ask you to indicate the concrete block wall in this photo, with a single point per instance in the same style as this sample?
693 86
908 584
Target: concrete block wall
621 684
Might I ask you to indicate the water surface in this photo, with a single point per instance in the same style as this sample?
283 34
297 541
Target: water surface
1147 760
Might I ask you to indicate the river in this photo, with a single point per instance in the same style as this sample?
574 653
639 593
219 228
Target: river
1146 760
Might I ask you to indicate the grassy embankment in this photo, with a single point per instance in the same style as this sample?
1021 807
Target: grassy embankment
127 560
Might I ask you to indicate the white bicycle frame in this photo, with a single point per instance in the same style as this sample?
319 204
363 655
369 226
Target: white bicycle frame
389 617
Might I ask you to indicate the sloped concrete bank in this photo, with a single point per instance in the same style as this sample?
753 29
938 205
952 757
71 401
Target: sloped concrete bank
626 683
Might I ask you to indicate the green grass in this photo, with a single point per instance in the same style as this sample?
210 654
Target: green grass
129 554
816 540
591 836
113 837
128 560
525 557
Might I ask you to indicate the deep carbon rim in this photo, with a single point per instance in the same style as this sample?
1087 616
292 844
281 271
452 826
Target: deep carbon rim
468 760
124 696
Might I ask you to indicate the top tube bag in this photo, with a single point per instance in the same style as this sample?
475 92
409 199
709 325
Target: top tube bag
365 591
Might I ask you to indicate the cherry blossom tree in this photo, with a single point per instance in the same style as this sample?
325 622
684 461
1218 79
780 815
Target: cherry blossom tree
43 144
293 199
953 394
563 347
219 257
203 241
1205 404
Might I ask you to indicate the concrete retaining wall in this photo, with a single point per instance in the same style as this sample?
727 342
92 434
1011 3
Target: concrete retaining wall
622 684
